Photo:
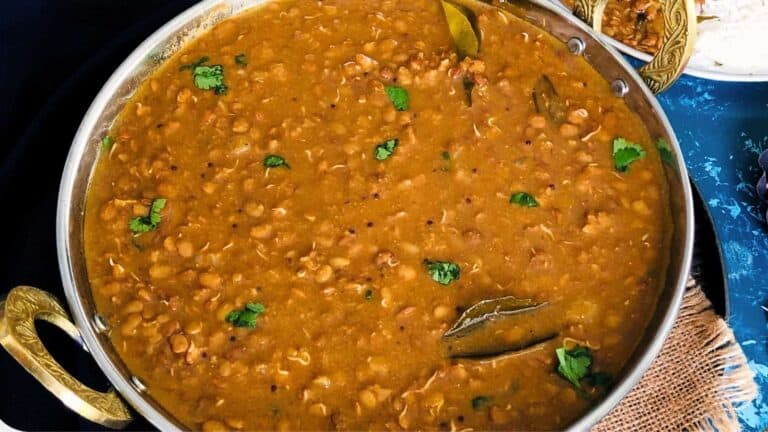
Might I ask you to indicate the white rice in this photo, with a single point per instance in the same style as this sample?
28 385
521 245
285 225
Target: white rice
737 41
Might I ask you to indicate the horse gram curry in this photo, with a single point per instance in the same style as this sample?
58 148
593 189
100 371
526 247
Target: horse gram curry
291 212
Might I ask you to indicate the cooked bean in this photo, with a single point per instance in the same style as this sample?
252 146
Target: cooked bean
442 312
385 258
406 272
240 125
262 232
185 249
254 209
234 423
214 426
577 116
324 274
179 343
339 262
108 212
568 130
537 122
160 271
367 398
640 207
129 324
193 327
210 280
134 306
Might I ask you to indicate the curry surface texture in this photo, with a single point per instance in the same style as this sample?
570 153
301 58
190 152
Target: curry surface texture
305 265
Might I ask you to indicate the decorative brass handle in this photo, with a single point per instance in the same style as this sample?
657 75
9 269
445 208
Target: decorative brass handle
18 312
676 45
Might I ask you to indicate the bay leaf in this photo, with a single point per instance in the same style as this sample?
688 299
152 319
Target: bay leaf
486 310
547 101
460 23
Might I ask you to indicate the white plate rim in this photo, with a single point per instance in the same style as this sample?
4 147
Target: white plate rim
690 70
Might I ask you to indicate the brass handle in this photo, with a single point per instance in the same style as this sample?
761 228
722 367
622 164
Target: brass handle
676 44
18 312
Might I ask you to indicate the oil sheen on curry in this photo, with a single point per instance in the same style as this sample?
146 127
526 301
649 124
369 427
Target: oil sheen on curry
323 215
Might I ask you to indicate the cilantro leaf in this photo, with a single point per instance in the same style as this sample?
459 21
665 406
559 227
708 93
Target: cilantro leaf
207 77
523 199
107 142
480 402
241 60
443 272
574 364
150 222
446 164
665 151
247 316
384 150
625 152
210 78
274 161
398 96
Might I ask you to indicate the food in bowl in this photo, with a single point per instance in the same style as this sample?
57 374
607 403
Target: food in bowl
291 213
726 40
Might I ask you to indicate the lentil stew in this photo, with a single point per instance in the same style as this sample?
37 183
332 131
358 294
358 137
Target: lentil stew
290 213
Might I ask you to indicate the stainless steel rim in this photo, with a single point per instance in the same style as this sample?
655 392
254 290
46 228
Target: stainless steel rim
82 317
65 223
635 372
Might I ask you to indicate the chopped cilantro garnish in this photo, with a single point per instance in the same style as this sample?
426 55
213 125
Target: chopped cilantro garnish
384 150
247 316
446 164
574 363
107 142
480 402
625 152
274 161
398 96
368 294
523 199
443 272
142 224
210 78
241 60
207 77
665 151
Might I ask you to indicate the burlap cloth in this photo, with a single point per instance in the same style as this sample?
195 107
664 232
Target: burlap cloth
699 377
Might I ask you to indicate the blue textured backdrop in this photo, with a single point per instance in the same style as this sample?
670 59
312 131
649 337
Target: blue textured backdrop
723 127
